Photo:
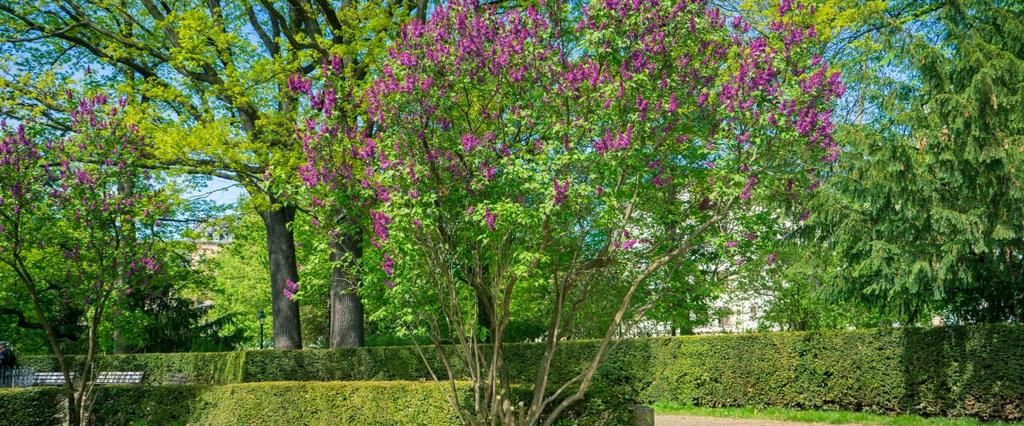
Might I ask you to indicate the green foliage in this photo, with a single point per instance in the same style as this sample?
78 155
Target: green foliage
924 214
349 403
30 407
973 371
210 80
380 363
28 336
198 368
955 371
169 316
240 272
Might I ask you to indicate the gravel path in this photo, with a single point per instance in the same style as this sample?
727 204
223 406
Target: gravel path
670 420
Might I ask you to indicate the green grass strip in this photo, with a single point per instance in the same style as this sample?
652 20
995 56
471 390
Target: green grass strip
817 416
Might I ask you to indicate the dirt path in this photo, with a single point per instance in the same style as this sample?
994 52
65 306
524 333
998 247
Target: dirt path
671 420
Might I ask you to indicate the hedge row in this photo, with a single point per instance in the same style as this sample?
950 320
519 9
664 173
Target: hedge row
958 371
30 407
271 403
212 368
973 371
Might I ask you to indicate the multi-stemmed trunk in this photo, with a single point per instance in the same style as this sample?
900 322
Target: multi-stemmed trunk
492 399
77 394
73 413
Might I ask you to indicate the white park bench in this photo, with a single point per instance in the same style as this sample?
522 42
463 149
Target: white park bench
119 378
50 379
177 379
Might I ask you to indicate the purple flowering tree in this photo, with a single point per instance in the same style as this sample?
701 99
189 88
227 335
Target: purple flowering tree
78 214
569 150
339 157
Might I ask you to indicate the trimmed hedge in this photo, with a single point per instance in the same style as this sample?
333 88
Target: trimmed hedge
953 371
209 368
271 403
278 403
30 406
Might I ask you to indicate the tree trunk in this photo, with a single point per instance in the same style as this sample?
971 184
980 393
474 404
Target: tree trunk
127 188
120 347
484 316
281 251
346 321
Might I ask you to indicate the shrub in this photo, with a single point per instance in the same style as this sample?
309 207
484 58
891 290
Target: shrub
377 363
278 403
30 407
198 368
954 371
958 371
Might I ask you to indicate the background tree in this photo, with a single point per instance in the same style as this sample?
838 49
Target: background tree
171 314
238 280
213 75
924 215
20 325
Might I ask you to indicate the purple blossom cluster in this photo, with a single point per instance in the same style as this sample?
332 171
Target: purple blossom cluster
490 218
388 264
291 288
561 191
17 149
45 183
299 84
144 264
469 142
614 142
381 221
748 187
626 241
664 91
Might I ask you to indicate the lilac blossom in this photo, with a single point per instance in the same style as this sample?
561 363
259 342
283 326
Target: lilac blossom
489 218
388 265
298 84
291 288
751 182
469 142
561 191
380 227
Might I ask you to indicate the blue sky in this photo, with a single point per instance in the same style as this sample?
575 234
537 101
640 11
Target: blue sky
220 191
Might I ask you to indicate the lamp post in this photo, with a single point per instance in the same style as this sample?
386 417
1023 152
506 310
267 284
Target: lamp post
261 316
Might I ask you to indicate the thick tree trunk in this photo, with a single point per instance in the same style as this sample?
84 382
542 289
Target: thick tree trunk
281 250
346 321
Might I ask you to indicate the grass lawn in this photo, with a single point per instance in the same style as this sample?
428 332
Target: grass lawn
831 417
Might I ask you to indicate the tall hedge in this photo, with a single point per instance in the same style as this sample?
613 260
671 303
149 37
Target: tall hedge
270 403
278 403
959 371
30 407
197 368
